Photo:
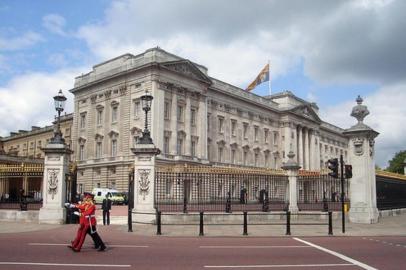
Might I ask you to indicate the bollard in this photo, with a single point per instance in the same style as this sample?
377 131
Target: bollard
287 222
184 205
245 224
130 220
201 231
330 223
158 222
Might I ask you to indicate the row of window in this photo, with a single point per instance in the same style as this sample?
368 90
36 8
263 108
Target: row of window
180 113
245 130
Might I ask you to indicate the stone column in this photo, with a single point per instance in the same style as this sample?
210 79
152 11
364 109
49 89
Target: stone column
174 122
292 169
317 151
288 141
188 129
56 165
306 149
300 153
361 156
202 127
312 151
144 182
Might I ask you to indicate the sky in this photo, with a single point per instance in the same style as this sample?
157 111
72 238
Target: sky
327 52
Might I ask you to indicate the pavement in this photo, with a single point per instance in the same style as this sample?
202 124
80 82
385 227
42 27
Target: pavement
387 226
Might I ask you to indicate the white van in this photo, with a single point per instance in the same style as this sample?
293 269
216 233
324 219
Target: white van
100 194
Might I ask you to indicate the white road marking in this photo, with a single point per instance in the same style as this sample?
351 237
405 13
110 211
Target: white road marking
57 244
341 256
254 247
277 265
65 264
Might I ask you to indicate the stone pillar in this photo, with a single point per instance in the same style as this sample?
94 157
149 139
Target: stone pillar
361 156
288 141
300 153
174 123
292 169
188 128
306 149
312 151
56 165
202 127
144 182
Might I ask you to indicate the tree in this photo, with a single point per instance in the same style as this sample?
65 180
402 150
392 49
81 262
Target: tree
396 164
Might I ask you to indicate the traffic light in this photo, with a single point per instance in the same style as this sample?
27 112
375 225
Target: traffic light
333 166
348 171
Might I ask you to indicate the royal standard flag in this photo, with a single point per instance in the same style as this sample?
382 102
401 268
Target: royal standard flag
263 76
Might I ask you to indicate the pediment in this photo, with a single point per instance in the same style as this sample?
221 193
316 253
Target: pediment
307 112
188 69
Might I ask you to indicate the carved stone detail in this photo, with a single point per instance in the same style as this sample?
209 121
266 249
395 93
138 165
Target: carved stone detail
53 181
144 182
358 146
371 147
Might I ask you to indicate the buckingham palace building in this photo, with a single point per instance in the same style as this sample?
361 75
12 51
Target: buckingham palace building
194 119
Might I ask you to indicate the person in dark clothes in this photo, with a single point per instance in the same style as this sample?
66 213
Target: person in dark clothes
106 207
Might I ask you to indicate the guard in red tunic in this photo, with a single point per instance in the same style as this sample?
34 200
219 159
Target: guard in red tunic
87 225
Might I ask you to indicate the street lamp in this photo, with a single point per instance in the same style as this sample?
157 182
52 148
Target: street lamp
146 101
59 101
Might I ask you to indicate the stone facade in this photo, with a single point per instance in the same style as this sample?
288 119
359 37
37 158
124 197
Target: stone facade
195 119
29 143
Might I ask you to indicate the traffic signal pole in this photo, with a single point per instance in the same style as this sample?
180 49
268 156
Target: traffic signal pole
342 193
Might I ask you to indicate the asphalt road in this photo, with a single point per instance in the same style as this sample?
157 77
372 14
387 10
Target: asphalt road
47 249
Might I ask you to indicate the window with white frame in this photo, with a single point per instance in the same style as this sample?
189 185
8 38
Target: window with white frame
180 115
233 156
193 148
233 127
208 122
245 157
256 159
114 147
275 138
81 152
193 117
98 149
114 114
266 132
245 130
220 153
136 108
167 110
256 133
221 124
166 144
99 117
83 120
266 157
179 147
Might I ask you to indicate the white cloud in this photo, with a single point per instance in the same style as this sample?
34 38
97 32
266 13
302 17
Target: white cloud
387 116
27 39
27 99
54 23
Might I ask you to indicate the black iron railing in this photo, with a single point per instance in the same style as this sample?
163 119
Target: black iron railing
220 192
320 192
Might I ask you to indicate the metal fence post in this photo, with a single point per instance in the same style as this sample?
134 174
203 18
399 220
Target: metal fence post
330 223
158 222
201 231
245 224
287 222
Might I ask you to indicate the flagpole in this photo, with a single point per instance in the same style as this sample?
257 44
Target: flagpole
269 75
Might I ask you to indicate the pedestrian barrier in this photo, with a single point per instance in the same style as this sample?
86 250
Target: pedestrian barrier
158 222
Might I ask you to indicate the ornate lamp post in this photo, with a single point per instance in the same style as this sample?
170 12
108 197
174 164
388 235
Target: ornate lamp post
146 101
59 106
